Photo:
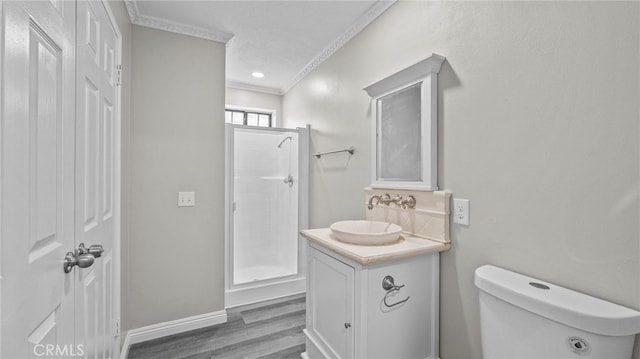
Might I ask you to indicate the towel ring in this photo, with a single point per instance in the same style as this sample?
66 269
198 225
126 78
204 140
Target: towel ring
389 285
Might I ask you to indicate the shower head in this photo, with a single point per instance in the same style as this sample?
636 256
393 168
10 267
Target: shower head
281 142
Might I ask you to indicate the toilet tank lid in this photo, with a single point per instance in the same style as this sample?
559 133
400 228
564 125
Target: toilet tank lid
557 303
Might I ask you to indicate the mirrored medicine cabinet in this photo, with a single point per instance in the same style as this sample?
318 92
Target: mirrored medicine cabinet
405 130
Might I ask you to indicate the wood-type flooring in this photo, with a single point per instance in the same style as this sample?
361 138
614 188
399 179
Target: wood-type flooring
268 330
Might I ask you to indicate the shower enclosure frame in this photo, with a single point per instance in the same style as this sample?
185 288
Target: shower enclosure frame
247 293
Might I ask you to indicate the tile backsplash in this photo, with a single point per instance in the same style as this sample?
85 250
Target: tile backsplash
429 219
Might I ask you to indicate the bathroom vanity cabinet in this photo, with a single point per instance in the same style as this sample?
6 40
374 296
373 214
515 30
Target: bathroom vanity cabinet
351 315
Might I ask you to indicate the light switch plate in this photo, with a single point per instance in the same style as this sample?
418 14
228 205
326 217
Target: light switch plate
186 199
461 211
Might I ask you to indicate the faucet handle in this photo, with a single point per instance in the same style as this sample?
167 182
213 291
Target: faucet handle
409 202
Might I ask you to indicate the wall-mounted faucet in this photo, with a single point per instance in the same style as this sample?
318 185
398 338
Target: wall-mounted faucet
385 199
410 202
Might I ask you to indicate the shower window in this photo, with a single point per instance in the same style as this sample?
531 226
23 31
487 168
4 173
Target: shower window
249 118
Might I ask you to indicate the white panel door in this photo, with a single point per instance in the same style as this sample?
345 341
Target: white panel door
96 164
37 188
59 150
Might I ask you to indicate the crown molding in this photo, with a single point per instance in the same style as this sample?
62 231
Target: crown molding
255 88
413 73
173 26
362 22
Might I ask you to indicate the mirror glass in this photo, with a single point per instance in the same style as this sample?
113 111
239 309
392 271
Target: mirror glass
399 135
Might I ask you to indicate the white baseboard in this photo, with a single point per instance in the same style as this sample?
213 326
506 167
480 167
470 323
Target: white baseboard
262 292
160 330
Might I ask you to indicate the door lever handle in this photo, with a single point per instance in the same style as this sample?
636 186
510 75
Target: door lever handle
94 249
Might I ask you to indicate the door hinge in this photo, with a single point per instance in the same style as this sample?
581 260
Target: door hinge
116 327
119 79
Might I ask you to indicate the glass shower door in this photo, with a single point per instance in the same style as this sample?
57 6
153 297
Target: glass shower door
265 205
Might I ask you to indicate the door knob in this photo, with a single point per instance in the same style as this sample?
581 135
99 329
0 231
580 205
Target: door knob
81 260
83 257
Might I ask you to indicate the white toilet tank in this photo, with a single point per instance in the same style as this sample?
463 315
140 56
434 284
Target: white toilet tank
523 317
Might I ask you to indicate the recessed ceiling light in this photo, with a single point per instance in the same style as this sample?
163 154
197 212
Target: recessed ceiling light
257 74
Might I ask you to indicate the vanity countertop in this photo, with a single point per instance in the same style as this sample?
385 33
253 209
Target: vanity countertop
408 246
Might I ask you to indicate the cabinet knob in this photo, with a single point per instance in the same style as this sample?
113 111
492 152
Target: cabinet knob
347 325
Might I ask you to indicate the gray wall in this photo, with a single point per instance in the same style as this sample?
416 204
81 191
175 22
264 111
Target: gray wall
538 122
173 258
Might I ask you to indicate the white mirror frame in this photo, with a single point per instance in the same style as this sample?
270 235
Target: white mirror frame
425 73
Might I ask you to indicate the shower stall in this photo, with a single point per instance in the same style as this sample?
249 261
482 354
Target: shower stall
266 207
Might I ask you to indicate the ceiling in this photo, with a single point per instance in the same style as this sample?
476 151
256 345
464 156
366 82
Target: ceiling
284 40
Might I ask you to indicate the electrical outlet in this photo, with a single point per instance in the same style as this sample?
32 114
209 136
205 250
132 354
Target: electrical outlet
186 199
461 211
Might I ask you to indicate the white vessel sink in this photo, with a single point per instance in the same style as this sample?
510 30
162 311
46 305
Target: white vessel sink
366 232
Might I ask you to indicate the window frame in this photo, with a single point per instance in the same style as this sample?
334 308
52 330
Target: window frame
246 111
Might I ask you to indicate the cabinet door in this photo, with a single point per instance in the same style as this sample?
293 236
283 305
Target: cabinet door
331 299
